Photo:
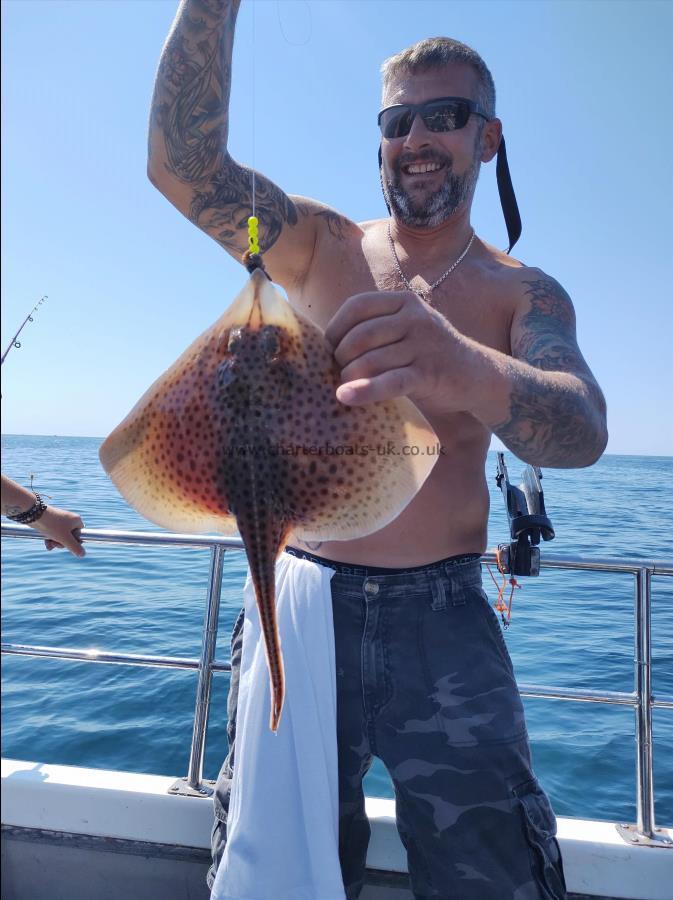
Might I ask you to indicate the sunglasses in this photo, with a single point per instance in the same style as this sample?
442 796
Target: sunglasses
443 114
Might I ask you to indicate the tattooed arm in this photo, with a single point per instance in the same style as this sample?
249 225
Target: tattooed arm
555 410
188 159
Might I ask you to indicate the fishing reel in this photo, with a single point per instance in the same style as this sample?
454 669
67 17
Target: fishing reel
528 521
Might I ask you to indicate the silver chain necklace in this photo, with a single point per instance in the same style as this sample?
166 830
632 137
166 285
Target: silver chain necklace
425 295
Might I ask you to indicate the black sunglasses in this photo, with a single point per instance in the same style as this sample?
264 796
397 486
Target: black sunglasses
443 114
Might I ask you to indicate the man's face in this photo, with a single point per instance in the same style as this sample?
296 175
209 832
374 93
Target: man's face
425 199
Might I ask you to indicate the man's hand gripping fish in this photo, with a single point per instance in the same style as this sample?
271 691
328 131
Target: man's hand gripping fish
245 430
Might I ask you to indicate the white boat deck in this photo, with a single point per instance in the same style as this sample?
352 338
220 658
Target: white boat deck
73 810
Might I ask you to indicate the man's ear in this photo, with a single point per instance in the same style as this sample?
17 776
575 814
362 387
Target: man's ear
490 139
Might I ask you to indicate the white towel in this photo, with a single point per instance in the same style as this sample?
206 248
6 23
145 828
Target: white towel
283 825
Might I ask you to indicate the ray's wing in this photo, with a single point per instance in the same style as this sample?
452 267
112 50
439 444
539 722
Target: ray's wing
164 457
349 470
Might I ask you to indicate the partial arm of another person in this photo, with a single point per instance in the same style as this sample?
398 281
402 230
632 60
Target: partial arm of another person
542 400
188 160
59 527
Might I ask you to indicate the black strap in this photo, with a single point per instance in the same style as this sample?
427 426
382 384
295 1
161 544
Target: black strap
508 202
381 180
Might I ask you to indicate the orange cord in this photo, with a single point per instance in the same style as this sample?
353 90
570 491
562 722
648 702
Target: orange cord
502 606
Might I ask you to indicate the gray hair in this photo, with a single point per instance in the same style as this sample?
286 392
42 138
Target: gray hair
435 53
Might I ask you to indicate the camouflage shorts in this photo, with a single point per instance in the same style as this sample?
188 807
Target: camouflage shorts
425 683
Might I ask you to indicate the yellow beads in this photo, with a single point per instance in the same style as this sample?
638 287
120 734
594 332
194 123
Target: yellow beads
253 234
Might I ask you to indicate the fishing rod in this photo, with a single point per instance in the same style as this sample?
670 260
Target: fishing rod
29 318
528 520
528 523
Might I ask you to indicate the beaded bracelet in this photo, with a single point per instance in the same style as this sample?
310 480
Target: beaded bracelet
30 515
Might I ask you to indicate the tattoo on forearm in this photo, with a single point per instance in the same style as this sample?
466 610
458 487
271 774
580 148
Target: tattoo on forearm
190 115
552 428
192 88
193 122
554 423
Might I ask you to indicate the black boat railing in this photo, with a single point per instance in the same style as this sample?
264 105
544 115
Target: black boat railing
641 699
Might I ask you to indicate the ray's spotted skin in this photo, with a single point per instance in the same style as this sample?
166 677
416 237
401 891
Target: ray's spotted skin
245 431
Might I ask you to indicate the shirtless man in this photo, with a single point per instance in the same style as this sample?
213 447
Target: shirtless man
485 346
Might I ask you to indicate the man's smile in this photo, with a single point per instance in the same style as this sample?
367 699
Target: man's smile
422 168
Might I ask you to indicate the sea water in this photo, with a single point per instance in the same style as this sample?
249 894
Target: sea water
569 629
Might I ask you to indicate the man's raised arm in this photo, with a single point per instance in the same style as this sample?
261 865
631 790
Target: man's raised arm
188 159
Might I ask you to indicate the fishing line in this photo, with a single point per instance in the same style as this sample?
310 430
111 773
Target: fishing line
282 30
252 258
253 221
254 107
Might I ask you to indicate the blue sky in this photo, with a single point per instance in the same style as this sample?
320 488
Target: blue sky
584 94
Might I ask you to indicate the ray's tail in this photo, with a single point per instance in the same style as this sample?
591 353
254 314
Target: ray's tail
263 550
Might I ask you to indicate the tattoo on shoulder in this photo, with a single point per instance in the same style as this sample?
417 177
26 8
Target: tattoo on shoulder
336 223
545 337
548 298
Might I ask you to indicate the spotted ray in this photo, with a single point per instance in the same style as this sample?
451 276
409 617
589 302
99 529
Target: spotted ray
245 430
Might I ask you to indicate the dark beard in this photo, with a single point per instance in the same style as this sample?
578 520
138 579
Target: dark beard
440 206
